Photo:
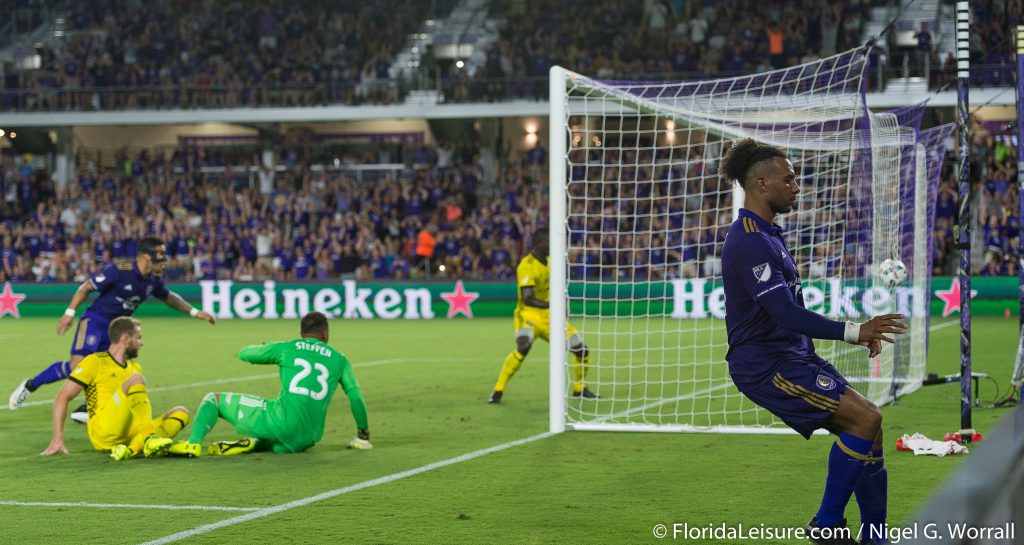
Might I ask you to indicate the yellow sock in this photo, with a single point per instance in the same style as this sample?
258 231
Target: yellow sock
142 416
512 363
172 424
579 371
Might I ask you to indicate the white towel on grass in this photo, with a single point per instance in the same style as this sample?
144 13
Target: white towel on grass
923 445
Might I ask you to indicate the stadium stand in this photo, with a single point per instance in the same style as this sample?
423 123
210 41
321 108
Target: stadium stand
128 55
220 220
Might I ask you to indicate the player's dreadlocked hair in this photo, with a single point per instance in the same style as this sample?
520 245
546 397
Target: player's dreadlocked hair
745 154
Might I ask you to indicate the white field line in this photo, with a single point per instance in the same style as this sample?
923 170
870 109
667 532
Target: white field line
265 512
370 363
653 404
943 325
125 506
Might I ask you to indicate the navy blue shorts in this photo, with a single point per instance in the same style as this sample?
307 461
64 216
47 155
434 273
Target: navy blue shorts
90 336
803 393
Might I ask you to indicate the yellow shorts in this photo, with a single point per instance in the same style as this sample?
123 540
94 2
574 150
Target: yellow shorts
113 424
539 322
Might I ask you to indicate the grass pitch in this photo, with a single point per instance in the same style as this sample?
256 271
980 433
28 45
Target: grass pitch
425 384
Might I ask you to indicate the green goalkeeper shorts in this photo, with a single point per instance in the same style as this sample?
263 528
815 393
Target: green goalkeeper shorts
254 416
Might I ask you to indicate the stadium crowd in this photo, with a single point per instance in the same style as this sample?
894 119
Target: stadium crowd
121 54
297 224
435 219
612 39
993 184
995 165
175 54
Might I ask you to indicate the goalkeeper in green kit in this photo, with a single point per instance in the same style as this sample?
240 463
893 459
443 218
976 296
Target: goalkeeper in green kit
310 372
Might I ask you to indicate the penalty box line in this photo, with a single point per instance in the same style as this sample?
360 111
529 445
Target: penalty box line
265 512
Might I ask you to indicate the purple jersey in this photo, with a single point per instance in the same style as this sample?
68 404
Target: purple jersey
122 289
755 262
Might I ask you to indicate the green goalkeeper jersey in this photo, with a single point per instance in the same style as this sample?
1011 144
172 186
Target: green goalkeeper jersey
310 372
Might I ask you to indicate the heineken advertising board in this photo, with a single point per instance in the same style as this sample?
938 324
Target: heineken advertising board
678 298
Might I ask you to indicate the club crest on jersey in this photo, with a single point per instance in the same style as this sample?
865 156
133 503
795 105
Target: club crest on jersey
91 340
825 382
762 272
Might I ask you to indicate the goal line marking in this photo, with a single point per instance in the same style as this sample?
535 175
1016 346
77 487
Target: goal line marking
265 512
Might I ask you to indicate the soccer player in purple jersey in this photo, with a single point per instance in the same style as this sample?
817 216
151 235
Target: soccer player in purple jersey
122 288
771 355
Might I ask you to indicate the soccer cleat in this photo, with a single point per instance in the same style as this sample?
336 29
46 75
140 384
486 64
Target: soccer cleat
185 449
586 394
495 397
156 446
121 453
19 396
838 534
81 414
231 448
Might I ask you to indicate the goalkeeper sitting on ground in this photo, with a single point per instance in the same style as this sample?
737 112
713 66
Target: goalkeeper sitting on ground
310 373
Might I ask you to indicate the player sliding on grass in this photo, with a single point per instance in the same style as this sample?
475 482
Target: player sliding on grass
122 288
310 371
771 354
120 416
533 317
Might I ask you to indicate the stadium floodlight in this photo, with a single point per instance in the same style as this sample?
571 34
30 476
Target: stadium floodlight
638 212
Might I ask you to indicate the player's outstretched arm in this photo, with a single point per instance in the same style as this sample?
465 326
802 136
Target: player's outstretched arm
260 354
788 315
358 407
178 303
80 296
60 412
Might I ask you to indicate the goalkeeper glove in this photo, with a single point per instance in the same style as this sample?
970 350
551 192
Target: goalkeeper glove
361 441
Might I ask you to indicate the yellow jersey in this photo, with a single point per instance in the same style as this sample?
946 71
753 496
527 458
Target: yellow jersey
102 377
532 272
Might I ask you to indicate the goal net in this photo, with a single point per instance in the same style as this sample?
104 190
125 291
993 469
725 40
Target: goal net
639 214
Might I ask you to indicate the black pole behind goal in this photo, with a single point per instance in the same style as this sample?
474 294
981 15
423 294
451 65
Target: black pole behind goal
963 224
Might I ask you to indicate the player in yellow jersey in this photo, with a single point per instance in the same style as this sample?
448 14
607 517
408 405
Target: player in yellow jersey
533 319
120 417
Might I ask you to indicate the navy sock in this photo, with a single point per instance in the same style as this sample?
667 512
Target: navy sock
57 370
845 465
872 496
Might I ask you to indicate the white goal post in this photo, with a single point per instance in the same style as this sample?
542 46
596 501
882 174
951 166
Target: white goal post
638 213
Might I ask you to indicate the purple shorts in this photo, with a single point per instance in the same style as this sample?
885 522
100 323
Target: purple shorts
804 393
90 336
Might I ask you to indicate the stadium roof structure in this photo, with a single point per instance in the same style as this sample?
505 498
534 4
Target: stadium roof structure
522 108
